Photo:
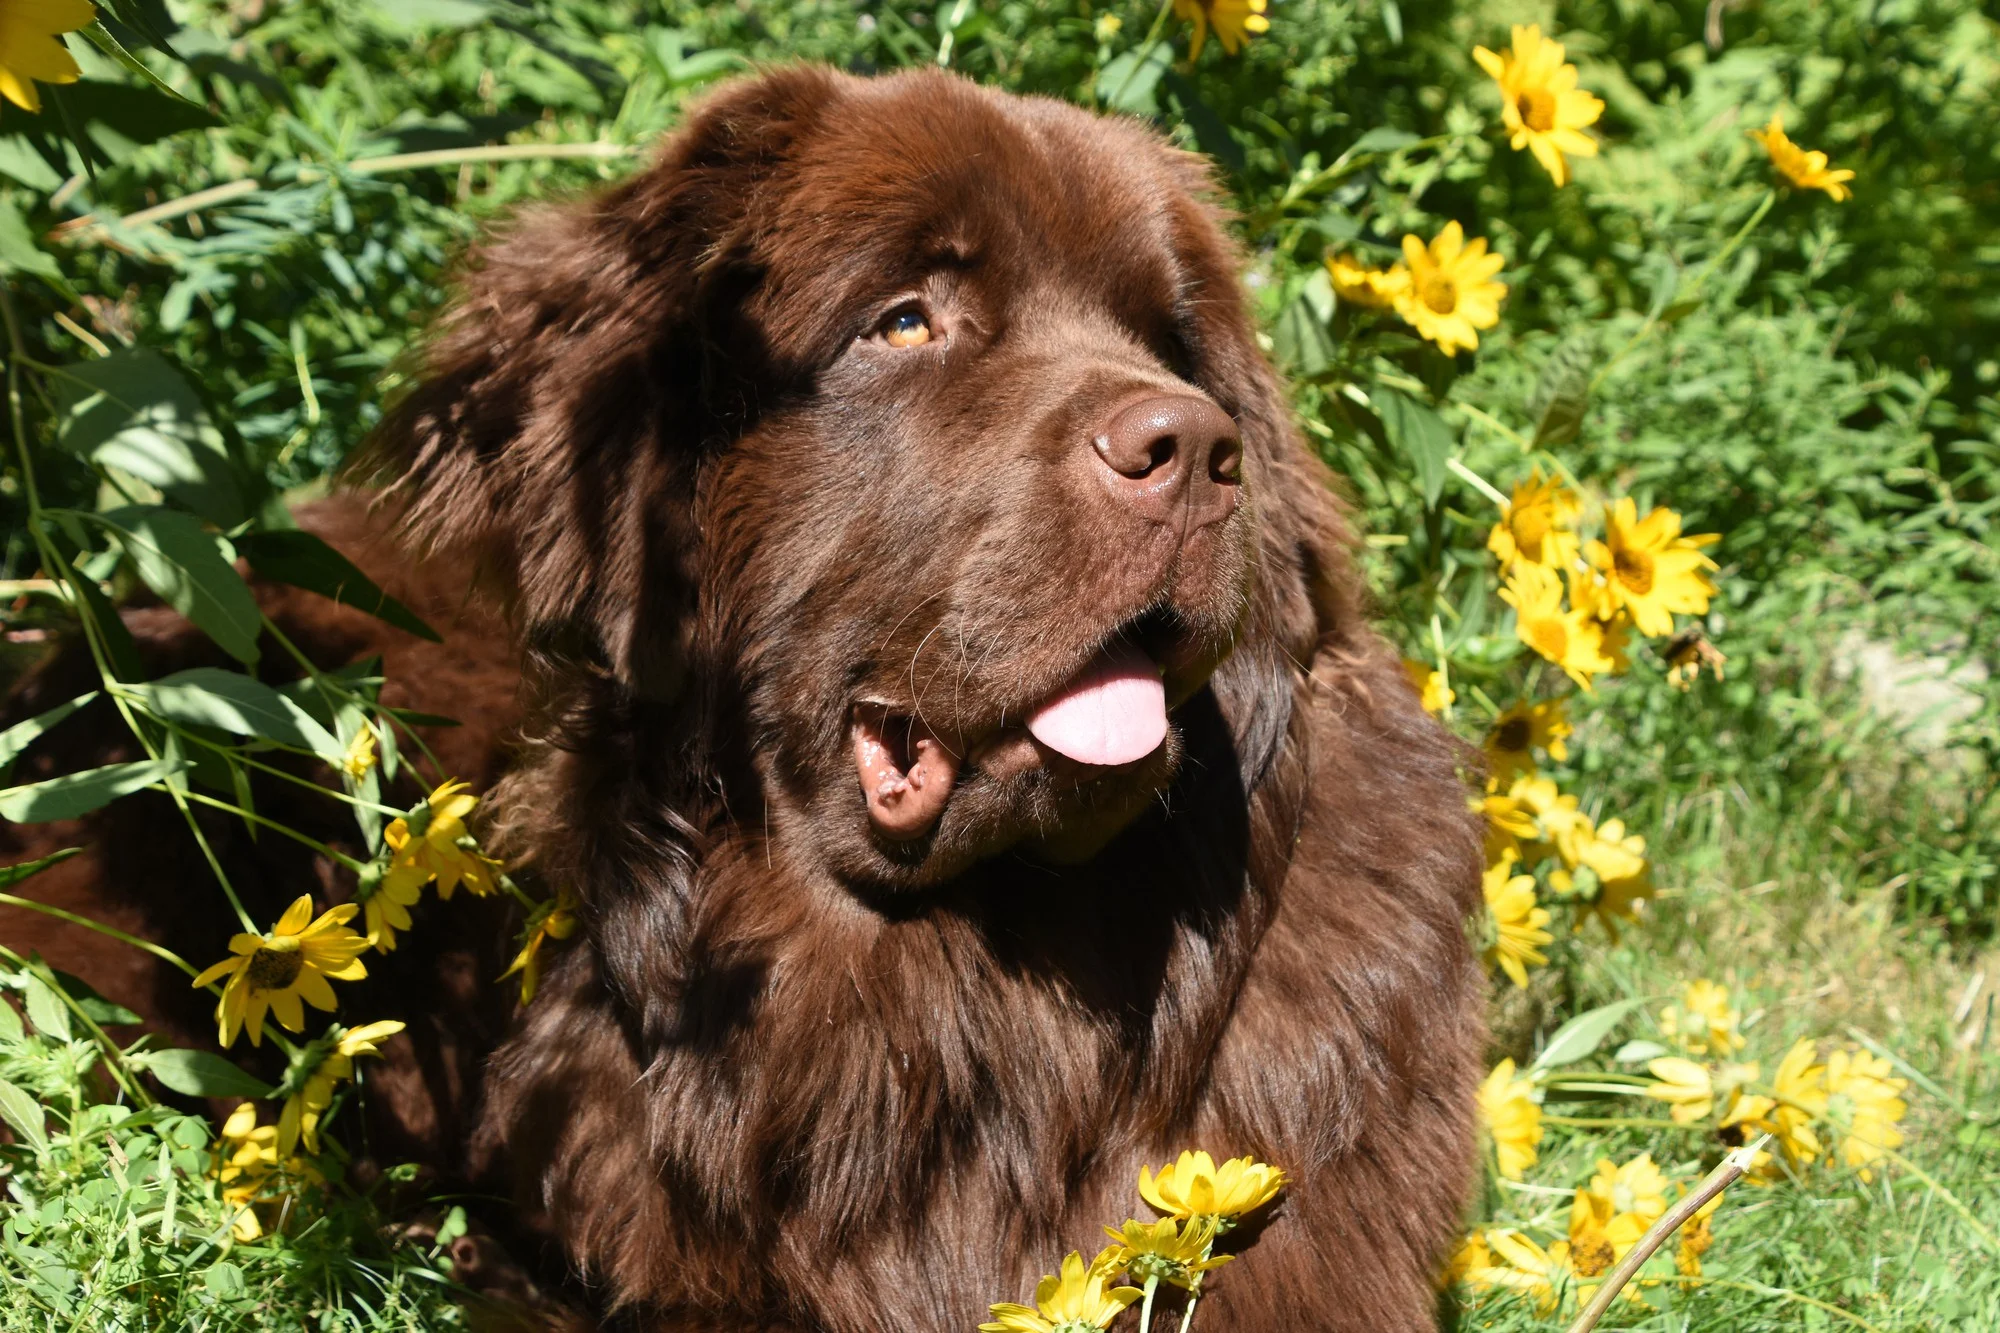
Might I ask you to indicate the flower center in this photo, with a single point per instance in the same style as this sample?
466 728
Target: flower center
1635 570
275 969
1550 638
1513 735
1591 1253
1538 109
1440 293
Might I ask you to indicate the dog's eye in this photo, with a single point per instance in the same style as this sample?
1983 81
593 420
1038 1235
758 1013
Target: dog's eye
906 328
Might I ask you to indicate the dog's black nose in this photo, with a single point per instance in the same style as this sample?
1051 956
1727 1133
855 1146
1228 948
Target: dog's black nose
1163 452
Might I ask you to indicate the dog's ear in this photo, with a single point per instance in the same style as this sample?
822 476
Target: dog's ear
560 412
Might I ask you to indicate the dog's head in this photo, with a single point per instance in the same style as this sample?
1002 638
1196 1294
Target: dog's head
906 440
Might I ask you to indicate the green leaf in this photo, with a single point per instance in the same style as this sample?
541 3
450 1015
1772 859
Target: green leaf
1582 1035
15 874
118 643
23 734
1381 139
18 251
192 570
305 561
1639 1052
225 1281
46 1010
199 1074
10 1023
234 702
1300 338
1210 133
24 1113
1131 81
86 998
1421 435
1562 394
76 794
132 410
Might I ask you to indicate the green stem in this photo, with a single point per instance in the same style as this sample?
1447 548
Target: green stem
1611 1122
1759 1289
163 954
1143 50
1146 1304
286 829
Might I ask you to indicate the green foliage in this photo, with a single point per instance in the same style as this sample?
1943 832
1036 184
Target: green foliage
117 1216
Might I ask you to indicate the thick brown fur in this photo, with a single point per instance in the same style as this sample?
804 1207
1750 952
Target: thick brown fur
795 1074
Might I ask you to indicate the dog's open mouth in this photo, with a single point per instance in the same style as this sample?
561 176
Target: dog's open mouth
1111 713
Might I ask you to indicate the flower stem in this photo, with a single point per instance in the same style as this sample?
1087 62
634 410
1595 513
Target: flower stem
1143 50
1146 1304
286 829
163 954
1726 1173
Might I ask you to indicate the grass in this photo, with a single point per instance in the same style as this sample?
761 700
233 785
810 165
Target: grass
1783 907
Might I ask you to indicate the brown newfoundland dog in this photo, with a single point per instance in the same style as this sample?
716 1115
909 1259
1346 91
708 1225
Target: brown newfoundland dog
954 707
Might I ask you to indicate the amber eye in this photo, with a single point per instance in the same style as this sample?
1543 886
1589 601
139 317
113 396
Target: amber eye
907 328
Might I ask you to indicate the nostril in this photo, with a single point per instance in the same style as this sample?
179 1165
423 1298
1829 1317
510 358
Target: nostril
1159 454
1225 464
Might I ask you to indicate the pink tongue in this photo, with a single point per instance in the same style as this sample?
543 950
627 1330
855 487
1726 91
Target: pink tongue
1115 712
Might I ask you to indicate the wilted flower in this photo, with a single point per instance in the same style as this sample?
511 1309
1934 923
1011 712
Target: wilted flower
1451 291
1544 111
291 962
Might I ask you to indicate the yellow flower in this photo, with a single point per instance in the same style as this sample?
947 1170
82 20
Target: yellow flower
553 920
247 1156
1685 1085
1507 1106
1544 111
1466 1261
1451 291
1075 1299
1537 525
1638 1187
1516 734
1703 1021
360 753
1194 1186
1806 171
299 1120
1370 288
1508 820
1167 1250
1618 864
1651 571
385 908
31 46
1800 1086
1863 1105
1558 821
291 962
1517 922
425 846
1235 21
1434 696
1695 1239
1541 1275
1570 639
1599 1236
